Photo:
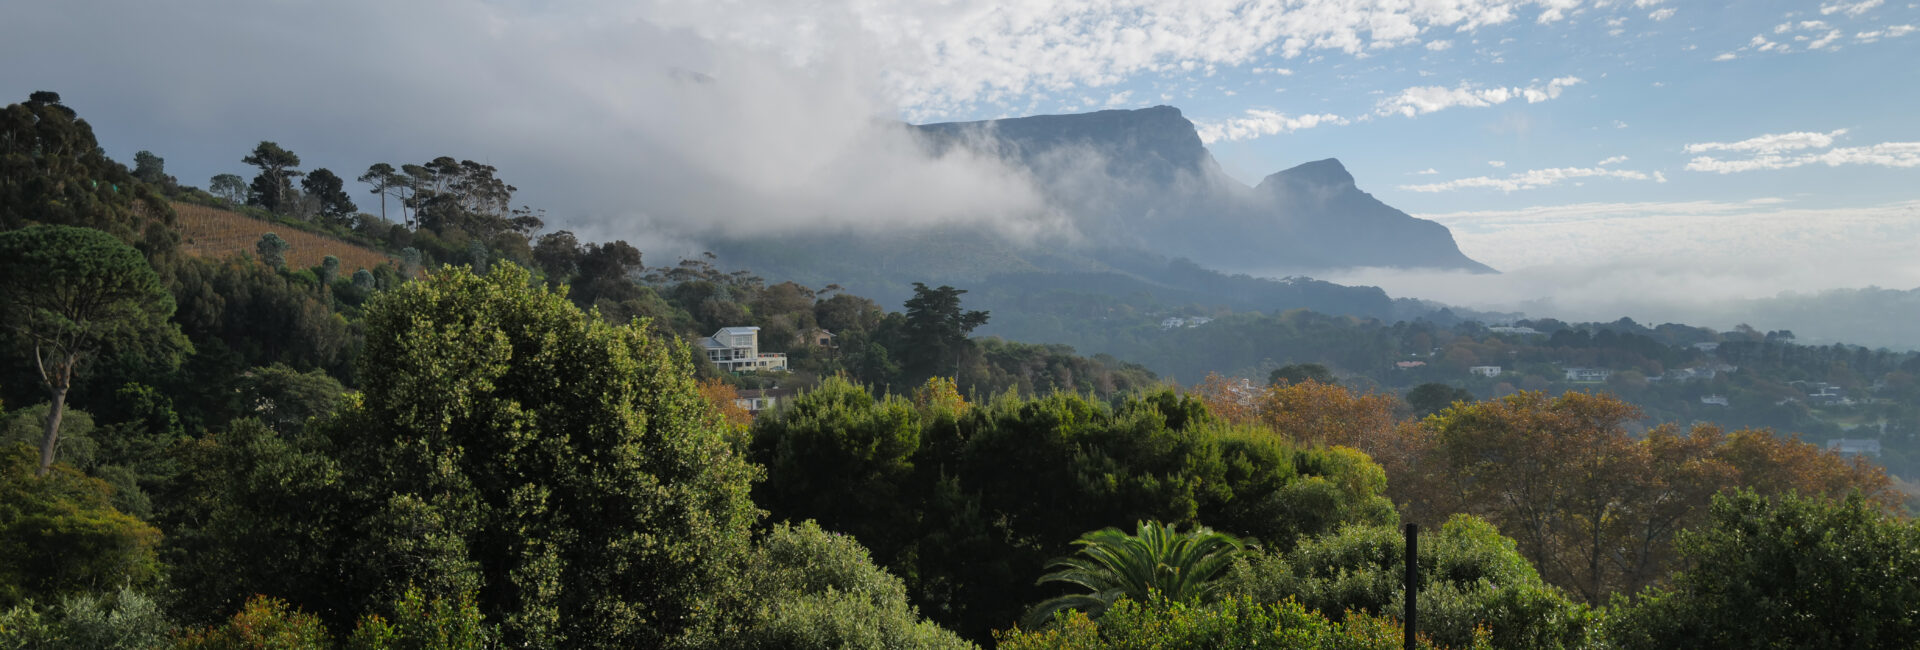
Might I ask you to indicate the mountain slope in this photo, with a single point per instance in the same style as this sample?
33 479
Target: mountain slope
1143 179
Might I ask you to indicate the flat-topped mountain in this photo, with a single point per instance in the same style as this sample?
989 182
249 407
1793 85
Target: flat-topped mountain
1143 179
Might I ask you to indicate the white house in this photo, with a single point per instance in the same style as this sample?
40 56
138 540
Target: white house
1485 371
1589 375
737 349
1508 329
1713 400
762 399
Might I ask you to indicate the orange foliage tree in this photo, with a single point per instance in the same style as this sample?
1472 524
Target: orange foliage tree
1307 412
720 398
1593 507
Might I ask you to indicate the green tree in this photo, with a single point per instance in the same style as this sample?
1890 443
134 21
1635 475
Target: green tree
936 331
273 187
1156 559
230 187
1434 397
1300 373
70 292
150 168
806 588
1473 580
385 182
52 171
564 467
330 191
60 534
1787 572
265 623
1235 623
257 512
329 270
273 251
417 622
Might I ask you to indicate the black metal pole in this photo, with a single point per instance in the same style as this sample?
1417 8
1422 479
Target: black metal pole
1413 582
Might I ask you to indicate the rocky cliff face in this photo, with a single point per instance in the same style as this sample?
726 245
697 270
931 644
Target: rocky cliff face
1143 179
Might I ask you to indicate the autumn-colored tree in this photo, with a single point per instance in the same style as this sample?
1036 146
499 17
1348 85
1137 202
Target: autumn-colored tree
721 395
939 394
1307 412
1232 400
1593 507
1327 414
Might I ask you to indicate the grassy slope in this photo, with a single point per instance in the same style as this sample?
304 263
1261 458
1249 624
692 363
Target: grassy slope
214 232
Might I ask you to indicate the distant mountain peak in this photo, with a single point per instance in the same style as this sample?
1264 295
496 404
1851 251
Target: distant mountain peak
1326 173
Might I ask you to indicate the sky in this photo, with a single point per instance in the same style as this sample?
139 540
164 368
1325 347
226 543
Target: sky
1623 157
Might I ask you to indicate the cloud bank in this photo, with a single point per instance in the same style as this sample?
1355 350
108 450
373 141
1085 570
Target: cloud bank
608 116
1693 262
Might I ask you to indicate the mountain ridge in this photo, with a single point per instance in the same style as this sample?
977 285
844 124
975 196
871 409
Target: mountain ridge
1163 192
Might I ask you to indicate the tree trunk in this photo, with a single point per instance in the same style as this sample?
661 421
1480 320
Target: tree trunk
52 439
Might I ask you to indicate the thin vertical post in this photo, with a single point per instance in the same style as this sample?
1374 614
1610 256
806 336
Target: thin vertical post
1412 583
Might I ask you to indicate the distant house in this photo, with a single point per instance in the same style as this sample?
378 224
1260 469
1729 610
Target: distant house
762 399
1854 446
1507 329
1706 347
1485 371
1714 400
1409 365
737 349
1688 374
1176 322
1588 375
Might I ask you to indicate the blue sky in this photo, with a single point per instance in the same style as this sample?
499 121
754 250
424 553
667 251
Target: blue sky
1614 157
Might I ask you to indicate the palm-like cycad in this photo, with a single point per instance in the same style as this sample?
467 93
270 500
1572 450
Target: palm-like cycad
1155 559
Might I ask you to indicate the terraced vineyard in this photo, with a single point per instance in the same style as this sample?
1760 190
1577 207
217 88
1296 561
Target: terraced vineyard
213 232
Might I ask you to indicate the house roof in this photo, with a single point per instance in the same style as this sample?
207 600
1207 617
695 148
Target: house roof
711 343
736 331
766 392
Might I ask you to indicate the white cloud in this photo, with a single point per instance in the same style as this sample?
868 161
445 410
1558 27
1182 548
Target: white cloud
1885 154
1119 99
1895 31
1257 123
1427 99
1427 172
1496 164
942 58
1726 56
1615 160
1824 41
1642 4
1849 8
1772 142
1662 14
1786 151
1535 178
1439 46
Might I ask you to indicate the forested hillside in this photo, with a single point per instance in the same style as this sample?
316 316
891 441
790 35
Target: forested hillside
508 437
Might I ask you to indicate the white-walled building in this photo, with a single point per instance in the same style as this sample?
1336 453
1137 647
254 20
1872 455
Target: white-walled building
737 349
1588 375
1485 371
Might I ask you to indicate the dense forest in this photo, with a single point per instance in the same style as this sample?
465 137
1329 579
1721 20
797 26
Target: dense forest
505 437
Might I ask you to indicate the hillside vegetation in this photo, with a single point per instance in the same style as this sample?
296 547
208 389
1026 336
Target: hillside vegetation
521 446
213 232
